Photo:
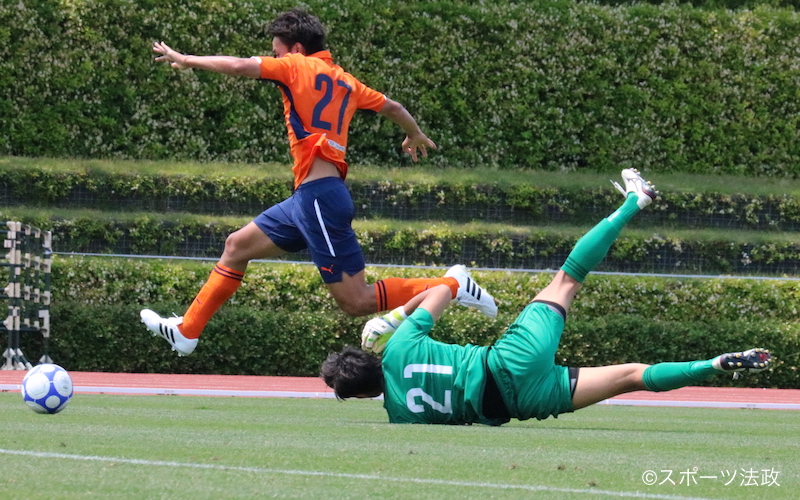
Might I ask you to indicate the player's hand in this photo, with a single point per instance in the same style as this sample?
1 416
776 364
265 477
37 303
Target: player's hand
419 143
174 58
373 330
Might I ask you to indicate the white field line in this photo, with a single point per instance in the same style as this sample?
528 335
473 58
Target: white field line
702 404
165 391
369 477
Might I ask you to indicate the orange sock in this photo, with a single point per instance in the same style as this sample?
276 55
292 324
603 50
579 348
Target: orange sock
394 292
221 284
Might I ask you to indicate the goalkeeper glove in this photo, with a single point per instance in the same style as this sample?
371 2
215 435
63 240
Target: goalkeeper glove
378 330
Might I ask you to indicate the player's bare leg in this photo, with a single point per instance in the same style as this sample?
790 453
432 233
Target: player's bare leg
356 298
353 295
599 383
561 290
242 246
603 382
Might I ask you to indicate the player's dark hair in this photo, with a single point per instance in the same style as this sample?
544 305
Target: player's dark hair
352 372
298 26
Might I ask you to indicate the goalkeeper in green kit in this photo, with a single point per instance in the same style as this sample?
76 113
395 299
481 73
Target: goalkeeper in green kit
429 382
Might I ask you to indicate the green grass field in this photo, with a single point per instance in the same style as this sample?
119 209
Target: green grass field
174 447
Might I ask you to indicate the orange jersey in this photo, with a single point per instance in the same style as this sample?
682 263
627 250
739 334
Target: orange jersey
319 100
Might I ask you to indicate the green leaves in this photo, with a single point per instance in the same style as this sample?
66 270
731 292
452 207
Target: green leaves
530 85
491 224
283 322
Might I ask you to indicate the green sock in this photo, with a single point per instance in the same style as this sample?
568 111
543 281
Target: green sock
593 246
668 376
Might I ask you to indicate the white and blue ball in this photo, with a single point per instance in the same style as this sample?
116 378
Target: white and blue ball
47 388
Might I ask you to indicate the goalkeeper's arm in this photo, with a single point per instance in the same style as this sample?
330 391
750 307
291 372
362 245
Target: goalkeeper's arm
434 300
380 326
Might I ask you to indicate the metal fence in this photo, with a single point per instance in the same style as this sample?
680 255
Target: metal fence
27 292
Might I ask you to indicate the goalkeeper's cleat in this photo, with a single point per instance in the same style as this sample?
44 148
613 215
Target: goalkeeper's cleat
168 329
754 361
635 183
375 334
470 294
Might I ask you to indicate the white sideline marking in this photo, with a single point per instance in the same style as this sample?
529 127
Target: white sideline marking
165 391
203 392
701 404
371 477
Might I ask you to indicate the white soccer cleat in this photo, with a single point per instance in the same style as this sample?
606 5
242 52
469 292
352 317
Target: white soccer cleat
168 329
635 183
470 294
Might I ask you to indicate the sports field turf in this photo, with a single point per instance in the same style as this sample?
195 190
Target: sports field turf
173 447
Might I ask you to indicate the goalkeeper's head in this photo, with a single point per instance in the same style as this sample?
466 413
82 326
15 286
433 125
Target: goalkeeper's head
353 373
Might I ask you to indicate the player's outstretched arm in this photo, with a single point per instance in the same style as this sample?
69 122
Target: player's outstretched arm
378 330
228 65
434 300
415 141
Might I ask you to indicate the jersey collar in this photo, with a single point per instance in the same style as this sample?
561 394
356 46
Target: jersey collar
325 55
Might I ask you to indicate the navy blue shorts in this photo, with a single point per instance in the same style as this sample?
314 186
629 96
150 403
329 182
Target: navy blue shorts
318 216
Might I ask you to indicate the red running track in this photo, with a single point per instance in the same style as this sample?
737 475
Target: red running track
258 386
200 385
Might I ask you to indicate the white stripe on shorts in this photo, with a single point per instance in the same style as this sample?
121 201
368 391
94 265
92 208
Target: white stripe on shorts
322 226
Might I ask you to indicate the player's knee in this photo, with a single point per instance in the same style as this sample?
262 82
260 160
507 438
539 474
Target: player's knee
230 243
355 306
234 246
354 309
633 378
354 297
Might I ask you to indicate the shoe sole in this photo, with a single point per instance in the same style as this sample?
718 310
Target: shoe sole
754 361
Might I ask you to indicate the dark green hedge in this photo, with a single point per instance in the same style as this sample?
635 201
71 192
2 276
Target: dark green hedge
282 321
537 248
711 4
520 203
111 281
102 190
558 85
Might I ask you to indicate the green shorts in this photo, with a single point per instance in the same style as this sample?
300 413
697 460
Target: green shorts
523 365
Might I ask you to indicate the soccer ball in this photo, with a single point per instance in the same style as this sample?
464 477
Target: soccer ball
47 388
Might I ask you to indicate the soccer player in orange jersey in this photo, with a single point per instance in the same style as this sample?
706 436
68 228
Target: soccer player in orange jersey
319 100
